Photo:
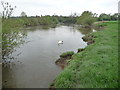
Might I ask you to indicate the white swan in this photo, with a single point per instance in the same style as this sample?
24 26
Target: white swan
60 42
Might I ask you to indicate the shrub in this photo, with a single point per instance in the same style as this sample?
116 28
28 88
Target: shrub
87 18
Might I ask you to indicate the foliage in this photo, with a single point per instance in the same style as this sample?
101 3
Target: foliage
32 21
96 66
114 17
23 14
69 53
11 38
104 16
108 17
67 19
86 18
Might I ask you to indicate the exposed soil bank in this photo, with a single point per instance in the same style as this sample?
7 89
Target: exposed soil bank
89 39
64 58
63 62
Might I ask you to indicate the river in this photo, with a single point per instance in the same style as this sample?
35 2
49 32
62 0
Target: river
35 66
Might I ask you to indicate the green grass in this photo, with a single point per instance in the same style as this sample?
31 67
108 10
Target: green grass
97 65
102 24
65 54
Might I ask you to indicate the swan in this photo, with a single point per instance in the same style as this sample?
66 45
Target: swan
94 30
60 42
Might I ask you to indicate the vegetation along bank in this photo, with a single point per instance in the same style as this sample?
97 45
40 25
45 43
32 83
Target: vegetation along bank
96 66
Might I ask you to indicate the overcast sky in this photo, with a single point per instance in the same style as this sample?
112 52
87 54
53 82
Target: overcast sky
63 7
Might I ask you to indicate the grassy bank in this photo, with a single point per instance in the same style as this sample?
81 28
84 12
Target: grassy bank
97 65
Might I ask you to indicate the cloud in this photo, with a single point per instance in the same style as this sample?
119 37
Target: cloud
63 7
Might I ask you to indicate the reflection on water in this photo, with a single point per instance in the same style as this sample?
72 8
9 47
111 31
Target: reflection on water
87 30
35 66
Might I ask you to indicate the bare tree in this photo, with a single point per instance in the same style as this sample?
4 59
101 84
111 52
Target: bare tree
7 10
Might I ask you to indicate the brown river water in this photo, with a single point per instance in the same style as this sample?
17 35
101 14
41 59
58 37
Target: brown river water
35 66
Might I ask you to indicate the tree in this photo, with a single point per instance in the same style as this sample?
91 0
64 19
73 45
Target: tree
23 14
105 17
11 37
87 18
7 10
115 16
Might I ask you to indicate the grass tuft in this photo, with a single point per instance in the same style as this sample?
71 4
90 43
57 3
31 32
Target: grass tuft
66 54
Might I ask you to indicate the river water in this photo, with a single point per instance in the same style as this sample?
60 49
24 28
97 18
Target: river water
35 66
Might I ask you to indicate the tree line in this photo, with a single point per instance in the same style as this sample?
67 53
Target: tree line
86 18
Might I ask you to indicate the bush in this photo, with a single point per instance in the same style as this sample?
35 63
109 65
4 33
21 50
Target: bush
87 18
69 53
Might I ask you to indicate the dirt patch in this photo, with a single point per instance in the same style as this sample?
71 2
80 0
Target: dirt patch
89 39
80 50
62 62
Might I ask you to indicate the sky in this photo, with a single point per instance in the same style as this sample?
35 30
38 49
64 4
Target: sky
62 7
